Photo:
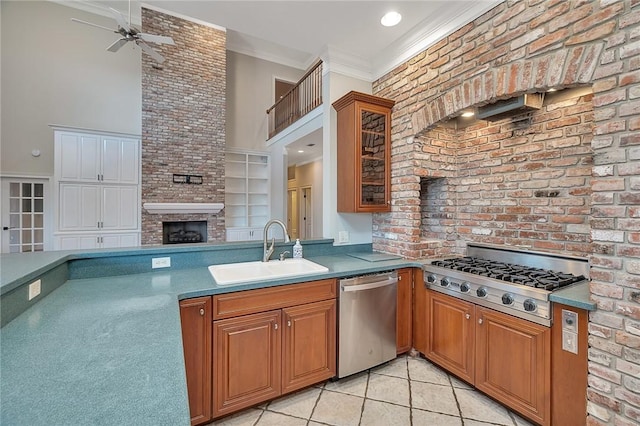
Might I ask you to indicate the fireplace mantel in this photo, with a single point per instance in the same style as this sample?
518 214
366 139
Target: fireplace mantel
183 208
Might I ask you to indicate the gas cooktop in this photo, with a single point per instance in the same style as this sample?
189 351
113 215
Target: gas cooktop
517 274
507 279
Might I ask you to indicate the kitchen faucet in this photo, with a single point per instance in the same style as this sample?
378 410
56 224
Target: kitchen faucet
269 251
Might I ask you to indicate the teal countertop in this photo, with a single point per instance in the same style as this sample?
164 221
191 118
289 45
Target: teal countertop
576 296
108 349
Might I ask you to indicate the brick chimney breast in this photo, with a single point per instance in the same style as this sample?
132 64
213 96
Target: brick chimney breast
183 122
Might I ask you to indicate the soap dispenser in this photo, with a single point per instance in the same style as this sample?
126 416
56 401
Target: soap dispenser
297 249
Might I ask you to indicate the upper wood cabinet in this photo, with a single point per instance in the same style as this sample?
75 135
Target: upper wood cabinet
364 153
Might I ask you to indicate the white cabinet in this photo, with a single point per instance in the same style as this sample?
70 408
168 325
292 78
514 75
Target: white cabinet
244 234
97 180
76 241
247 207
91 207
83 157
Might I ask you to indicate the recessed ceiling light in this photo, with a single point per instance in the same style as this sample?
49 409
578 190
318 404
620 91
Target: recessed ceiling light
300 151
390 19
553 89
468 114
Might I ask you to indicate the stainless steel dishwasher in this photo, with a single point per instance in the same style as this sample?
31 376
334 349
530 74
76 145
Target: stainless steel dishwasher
367 322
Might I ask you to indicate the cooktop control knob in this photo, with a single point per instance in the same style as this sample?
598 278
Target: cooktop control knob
530 305
431 278
481 292
507 299
464 287
445 282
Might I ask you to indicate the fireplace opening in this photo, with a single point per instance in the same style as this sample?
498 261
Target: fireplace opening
193 231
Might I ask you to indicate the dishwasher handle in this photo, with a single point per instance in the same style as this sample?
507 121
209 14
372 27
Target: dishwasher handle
369 286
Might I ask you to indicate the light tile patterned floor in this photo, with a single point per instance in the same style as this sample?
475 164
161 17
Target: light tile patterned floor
406 391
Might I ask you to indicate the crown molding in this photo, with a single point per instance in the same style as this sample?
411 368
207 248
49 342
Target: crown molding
181 16
422 37
341 62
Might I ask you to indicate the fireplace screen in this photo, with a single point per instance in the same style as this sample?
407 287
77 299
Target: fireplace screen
194 231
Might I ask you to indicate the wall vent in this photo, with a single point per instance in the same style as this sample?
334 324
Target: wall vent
512 106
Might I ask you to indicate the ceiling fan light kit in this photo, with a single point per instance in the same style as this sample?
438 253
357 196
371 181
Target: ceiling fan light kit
129 33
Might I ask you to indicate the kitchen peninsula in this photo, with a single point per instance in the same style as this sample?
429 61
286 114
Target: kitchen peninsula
105 345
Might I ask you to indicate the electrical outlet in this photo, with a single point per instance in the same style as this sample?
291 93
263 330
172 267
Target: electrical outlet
160 262
569 341
34 289
343 237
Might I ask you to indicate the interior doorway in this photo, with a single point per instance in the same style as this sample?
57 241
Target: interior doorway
306 227
282 87
22 215
292 213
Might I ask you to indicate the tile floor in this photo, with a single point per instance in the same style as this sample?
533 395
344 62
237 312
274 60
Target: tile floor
405 391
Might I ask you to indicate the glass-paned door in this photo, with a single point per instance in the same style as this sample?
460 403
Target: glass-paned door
23 216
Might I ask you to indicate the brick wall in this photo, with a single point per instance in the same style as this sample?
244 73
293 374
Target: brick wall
183 121
518 47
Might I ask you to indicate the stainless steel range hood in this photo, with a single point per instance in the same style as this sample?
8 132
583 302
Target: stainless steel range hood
508 107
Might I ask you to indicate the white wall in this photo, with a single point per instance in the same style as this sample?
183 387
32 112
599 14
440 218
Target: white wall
55 71
250 91
310 174
358 225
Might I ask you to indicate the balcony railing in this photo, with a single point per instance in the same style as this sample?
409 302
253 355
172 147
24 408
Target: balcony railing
300 100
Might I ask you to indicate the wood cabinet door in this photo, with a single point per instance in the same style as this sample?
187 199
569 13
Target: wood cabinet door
450 328
403 322
196 321
419 321
513 363
309 344
247 361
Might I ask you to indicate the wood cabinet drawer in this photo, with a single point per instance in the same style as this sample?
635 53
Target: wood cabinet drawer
266 299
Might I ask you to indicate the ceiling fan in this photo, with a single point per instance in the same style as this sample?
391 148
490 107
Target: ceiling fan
129 33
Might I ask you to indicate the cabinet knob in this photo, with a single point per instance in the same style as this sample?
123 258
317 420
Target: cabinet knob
201 311
467 316
289 323
275 326
480 321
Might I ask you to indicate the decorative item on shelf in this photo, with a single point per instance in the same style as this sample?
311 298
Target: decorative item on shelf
297 249
188 179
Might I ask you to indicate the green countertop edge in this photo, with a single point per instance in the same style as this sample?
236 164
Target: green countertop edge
576 296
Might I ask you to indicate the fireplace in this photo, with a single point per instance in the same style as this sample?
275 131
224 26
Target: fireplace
192 231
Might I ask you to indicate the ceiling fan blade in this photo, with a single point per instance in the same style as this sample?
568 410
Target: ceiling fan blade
120 20
156 38
149 51
117 45
93 25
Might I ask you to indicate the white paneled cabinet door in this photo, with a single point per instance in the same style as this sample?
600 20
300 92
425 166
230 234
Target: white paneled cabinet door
119 207
119 160
79 207
118 240
77 157
77 242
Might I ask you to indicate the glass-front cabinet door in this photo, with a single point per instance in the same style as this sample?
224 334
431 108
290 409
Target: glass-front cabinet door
373 159
364 153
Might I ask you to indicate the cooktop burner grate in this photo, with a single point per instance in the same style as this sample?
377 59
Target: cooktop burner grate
533 277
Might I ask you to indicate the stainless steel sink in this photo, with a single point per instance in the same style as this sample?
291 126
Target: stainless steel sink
246 272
